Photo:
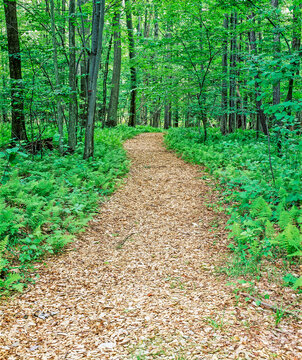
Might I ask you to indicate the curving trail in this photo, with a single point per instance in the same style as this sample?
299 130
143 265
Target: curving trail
142 282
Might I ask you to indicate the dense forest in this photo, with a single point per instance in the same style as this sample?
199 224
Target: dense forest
224 75
77 64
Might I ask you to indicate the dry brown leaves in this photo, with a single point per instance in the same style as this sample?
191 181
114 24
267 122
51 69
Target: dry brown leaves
141 282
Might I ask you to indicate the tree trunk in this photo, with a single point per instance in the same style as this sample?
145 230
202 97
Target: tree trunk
94 66
133 88
156 103
232 102
103 111
261 119
168 115
176 117
224 89
116 75
296 43
84 33
277 49
56 70
18 130
144 107
73 105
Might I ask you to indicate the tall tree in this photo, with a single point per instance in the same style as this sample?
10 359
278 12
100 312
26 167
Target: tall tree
116 74
18 130
261 118
276 86
94 66
73 103
103 110
57 76
224 89
133 76
233 64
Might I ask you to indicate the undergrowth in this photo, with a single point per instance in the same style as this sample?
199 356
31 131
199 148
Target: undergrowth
265 213
45 201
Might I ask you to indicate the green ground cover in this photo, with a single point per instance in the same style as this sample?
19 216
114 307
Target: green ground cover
264 204
45 201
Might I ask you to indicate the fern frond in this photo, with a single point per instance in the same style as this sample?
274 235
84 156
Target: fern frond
290 239
260 209
285 219
12 278
269 229
3 245
298 283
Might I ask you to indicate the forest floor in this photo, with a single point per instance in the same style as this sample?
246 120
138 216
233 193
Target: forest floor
144 280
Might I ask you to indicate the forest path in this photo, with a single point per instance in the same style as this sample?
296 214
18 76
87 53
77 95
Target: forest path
141 283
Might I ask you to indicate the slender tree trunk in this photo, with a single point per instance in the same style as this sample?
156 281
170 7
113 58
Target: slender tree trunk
84 68
224 89
188 111
156 103
277 49
133 88
18 130
296 44
94 66
176 117
168 115
232 102
62 28
116 75
239 100
261 119
103 111
73 105
144 107
57 77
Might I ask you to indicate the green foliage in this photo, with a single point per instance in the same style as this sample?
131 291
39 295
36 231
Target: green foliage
263 217
260 209
45 202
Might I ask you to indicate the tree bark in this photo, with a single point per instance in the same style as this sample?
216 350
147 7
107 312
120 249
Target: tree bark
73 105
277 48
116 75
176 117
103 111
18 130
261 119
156 112
133 88
232 101
168 116
57 77
94 66
296 44
84 69
224 89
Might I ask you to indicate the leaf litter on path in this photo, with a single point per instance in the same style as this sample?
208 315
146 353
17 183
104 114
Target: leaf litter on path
150 291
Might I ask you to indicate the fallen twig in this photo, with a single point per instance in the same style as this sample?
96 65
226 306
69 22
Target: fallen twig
121 243
272 307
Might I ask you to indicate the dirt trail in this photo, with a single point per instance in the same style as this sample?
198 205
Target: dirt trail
141 283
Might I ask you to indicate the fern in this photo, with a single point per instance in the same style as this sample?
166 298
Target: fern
298 283
11 279
3 261
236 230
3 245
260 209
290 239
269 229
285 219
